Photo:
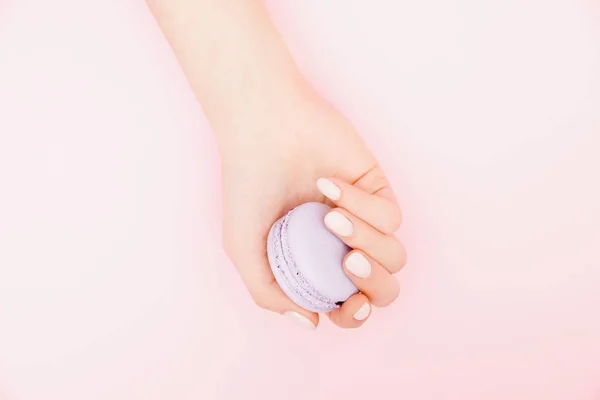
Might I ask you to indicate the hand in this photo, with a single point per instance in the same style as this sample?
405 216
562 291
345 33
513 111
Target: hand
277 138
302 151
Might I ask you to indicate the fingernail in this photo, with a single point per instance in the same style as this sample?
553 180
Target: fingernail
358 265
300 320
363 312
339 224
329 189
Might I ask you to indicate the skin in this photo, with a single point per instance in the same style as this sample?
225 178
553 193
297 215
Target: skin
277 137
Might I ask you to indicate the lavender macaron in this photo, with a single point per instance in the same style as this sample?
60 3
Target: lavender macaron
306 259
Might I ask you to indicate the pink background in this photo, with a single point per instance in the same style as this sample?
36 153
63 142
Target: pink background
486 115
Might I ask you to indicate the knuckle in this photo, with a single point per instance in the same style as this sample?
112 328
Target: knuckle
401 257
403 260
393 221
377 179
381 302
387 300
380 182
397 258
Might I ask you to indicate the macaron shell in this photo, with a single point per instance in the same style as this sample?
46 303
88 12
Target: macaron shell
306 259
318 253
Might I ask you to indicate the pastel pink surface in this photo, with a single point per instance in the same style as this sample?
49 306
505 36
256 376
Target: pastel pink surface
486 115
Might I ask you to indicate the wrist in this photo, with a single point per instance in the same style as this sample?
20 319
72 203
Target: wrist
261 105
238 66
273 119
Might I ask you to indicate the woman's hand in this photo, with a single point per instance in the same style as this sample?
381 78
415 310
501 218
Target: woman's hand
278 139
306 151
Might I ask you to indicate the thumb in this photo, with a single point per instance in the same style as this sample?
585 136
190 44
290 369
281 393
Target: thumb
253 266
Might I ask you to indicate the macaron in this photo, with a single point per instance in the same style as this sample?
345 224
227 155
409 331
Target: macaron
307 259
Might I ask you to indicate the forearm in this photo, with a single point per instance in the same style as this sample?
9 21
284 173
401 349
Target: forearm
233 56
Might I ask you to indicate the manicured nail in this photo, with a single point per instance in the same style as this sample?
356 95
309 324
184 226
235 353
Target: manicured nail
329 189
339 224
300 320
363 312
358 265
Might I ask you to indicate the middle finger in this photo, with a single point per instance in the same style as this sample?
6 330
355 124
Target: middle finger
356 233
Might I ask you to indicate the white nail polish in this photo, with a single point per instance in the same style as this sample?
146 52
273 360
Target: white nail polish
363 312
329 189
339 224
358 265
300 320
